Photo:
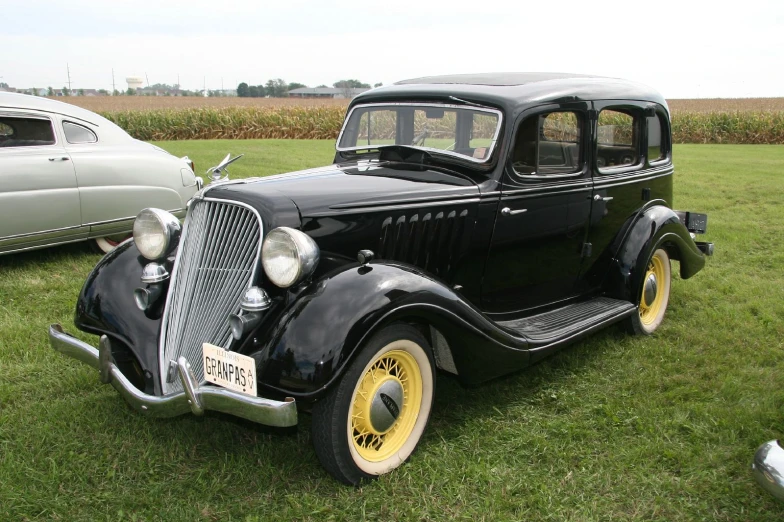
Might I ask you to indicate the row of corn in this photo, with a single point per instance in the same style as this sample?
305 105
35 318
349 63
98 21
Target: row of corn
324 123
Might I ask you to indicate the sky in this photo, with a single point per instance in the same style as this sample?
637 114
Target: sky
683 49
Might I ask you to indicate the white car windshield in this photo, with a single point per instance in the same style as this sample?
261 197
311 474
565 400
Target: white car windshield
466 132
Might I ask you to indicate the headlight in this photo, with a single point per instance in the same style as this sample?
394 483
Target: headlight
288 256
156 233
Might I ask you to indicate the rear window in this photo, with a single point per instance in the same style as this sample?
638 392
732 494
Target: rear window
75 133
25 131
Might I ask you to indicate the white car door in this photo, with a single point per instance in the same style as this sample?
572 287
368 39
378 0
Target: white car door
117 180
39 196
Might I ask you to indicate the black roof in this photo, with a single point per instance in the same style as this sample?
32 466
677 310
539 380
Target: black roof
500 79
513 91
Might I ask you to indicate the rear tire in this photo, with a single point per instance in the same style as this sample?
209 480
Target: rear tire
654 295
372 420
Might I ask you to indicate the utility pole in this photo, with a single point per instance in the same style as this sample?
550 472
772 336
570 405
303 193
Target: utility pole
178 83
205 86
148 80
68 68
113 88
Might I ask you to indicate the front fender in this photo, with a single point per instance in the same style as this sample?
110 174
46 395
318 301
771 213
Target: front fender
319 333
106 307
656 227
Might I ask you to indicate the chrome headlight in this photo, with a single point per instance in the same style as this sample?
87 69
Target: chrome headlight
156 233
288 256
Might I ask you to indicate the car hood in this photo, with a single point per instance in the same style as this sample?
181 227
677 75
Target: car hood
355 188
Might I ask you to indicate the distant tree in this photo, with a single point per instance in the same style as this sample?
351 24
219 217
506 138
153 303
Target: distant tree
253 91
80 92
379 84
322 86
3 85
243 91
49 91
295 85
347 87
66 91
130 92
103 92
276 88
351 84
115 92
33 92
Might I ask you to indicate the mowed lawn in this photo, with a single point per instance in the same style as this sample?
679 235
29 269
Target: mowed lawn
612 428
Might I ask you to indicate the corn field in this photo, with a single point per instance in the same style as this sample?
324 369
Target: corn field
323 121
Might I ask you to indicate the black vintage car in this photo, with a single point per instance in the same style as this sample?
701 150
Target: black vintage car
472 224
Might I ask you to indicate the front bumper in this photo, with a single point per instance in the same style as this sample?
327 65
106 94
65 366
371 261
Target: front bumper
194 398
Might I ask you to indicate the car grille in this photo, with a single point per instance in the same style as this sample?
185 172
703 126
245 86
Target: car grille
216 262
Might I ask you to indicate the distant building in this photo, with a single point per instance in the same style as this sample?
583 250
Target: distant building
326 92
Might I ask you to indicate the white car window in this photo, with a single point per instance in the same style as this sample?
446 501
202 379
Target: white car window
25 131
75 133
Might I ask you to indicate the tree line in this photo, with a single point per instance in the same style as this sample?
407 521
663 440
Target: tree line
280 89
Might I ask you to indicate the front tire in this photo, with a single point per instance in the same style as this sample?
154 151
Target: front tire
654 295
372 420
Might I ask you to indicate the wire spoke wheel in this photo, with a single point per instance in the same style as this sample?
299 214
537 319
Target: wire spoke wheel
385 406
373 419
654 295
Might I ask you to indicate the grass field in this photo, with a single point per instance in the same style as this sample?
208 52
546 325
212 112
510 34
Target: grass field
612 428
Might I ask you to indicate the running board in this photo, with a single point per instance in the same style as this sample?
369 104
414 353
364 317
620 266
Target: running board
552 329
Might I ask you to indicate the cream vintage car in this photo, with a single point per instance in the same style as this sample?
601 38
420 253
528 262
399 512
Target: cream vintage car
69 175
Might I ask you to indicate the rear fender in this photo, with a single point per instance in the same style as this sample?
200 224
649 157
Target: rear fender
318 334
656 227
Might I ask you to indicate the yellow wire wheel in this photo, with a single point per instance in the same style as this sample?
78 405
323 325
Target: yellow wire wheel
385 405
390 406
655 292
372 421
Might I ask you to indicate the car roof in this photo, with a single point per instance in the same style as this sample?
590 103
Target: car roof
513 90
15 100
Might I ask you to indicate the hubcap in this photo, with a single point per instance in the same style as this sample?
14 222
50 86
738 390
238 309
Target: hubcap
651 300
649 293
385 406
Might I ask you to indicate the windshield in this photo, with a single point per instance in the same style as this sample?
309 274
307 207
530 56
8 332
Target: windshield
465 132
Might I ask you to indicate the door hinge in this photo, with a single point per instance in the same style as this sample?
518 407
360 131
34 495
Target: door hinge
587 248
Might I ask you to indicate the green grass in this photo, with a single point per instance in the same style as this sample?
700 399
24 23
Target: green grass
612 428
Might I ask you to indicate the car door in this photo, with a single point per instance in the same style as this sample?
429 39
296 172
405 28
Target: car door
39 196
632 168
536 248
119 176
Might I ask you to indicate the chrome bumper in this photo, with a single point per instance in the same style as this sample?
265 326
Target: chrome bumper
194 398
768 468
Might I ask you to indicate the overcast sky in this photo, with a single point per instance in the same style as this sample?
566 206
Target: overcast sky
684 49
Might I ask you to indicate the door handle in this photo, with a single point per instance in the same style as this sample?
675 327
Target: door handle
59 158
506 211
597 197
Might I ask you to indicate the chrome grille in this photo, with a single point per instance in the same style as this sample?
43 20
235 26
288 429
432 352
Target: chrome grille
216 262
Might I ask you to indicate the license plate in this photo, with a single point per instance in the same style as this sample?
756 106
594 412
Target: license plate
231 370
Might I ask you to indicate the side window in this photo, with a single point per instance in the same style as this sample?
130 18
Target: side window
25 132
617 139
656 143
549 144
75 133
